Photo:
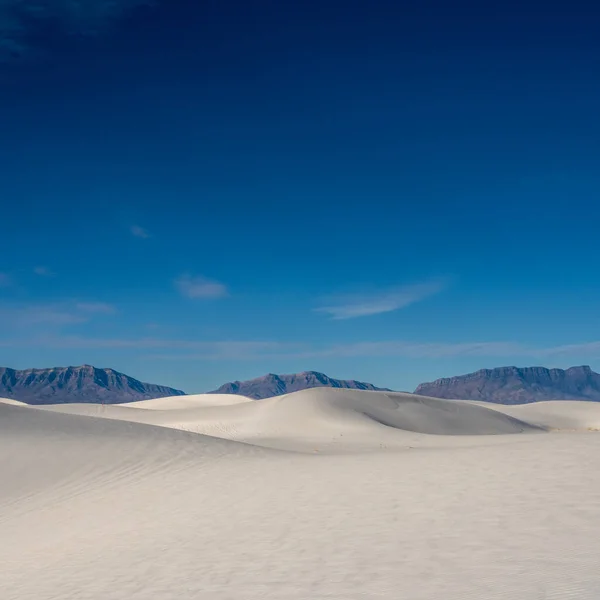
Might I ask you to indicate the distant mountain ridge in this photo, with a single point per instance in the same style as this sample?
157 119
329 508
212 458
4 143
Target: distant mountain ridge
276 385
503 385
59 385
514 385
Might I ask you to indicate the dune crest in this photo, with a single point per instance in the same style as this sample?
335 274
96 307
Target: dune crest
342 420
12 402
188 401
321 419
554 414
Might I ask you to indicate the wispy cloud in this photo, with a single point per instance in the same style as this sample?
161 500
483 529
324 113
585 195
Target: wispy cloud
139 232
181 349
436 350
381 301
21 19
53 315
432 350
43 271
422 350
590 348
228 349
200 287
5 280
91 308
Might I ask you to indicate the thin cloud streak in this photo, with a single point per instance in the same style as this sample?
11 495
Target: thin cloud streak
43 271
139 232
593 348
442 350
91 308
5 280
19 19
229 349
200 287
54 315
383 301
424 350
269 349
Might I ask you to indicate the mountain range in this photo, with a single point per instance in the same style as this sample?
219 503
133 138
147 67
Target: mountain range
503 385
276 385
88 384
513 385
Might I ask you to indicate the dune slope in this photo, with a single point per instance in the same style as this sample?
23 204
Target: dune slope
554 414
188 401
321 419
109 509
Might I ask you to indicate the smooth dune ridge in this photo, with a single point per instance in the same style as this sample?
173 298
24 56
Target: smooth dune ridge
188 401
406 498
554 414
337 420
319 419
12 402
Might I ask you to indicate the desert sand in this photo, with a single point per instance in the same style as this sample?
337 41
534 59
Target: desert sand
12 402
189 401
337 494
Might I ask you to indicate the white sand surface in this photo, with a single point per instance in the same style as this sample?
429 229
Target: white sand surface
188 401
12 402
408 498
326 420
554 414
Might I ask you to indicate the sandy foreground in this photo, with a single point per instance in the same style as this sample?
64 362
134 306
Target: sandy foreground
323 493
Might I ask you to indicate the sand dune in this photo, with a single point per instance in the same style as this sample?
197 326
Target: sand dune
116 509
554 414
322 419
189 401
12 402
26 433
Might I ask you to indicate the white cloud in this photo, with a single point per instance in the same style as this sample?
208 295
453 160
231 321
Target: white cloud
39 315
200 287
139 232
591 348
54 314
422 350
408 349
191 349
43 271
95 308
382 301
179 349
19 19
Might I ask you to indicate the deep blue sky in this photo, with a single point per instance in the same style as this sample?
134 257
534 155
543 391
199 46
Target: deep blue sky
387 191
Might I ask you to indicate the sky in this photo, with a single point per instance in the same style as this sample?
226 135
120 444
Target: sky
199 192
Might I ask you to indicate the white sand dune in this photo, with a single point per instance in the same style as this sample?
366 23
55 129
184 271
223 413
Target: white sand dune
12 402
189 401
112 509
324 419
554 414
